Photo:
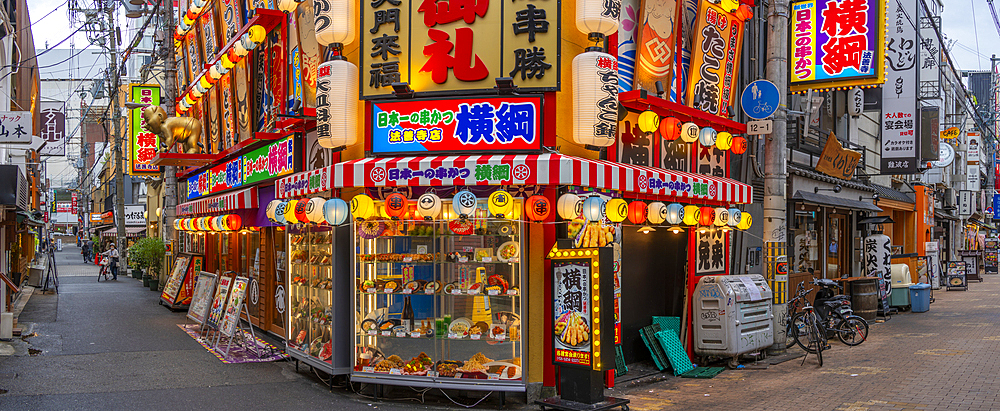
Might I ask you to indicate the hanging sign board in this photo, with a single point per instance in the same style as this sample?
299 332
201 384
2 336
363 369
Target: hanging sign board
718 39
580 284
837 161
899 95
15 127
143 144
273 160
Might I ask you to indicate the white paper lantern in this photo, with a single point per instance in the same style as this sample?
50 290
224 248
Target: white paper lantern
314 210
735 215
429 206
657 213
279 213
721 216
465 203
337 104
675 214
270 210
334 22
595 98
707 136
591 17
569 206
289 6
689 132
593 208
335 211
877 260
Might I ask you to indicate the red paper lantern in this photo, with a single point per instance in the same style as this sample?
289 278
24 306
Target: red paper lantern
396 205
744 12
211 224
707 216
739 145
537 208
300 211
637 211
234 222
670 129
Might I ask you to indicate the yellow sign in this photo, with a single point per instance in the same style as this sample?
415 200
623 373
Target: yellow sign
715 64
459 45
951 133
837 161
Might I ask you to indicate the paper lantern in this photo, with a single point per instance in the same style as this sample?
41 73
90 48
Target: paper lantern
591 18
670 128
739 145
569 206
243 47
745 221
301 209
675 214
220 223
656 213
335 211
211 224
648 121
537 208
203 223
595 113
234 222
335 23
290 212
637 212
734 217
744 12
314 210
724 140
721 216
396 205
593 208
707 136
689 132
337 102
729 5
616 209
500 204
279 213
177 224
691 215
464 203
288 6
362 207
707 216
429 206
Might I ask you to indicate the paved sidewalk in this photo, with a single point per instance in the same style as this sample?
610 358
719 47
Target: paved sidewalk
944 359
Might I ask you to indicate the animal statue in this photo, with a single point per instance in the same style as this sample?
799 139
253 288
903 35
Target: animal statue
173 130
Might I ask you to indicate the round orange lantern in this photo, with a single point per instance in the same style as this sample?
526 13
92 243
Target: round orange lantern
707 216
300 211
234 222
739 145
670 128
396 205
537 208
637 211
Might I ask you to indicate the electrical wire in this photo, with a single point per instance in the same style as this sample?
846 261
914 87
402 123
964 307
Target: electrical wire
975 30
41 18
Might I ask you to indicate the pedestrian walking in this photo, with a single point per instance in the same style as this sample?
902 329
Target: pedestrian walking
87 249
112 253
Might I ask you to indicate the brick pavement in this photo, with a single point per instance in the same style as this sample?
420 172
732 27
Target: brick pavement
944 359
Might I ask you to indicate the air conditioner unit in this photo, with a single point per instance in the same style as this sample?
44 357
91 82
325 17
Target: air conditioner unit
13 187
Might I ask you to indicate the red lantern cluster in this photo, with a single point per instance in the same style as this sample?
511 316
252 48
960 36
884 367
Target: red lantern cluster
230 222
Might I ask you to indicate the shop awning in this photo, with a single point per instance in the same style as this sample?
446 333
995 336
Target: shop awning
540 169
129 231
943 215
221 203
831 201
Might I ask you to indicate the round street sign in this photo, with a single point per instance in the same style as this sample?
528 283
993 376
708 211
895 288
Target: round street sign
760 99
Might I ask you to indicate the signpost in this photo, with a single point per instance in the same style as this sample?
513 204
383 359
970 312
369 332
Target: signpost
760 100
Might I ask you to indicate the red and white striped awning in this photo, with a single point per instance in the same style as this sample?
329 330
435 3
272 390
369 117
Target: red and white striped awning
235 200
541 169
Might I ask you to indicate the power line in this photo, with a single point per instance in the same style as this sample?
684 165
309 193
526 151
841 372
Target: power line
975 30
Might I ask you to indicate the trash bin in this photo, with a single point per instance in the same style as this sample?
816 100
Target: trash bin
899 297
920 297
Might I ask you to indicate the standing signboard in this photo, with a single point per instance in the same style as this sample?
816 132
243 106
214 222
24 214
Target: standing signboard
172 289
231 317
899 95
182 288
219 302
202 298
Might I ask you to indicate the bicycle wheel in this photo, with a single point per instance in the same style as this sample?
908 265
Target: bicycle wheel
852 330
803 332
818 340
791 334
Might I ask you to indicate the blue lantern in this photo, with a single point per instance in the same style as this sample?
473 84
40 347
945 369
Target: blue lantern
735 216
279 212
465 203
335 211
675 214
593 208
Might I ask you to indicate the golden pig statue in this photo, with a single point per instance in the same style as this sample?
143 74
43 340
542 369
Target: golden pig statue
173 130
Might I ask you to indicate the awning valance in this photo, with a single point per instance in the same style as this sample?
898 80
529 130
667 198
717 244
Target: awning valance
235 200
540 169
129 231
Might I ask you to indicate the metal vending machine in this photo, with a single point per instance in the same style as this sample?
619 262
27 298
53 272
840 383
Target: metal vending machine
732 315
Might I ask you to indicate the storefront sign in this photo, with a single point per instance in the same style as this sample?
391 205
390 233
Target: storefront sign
718 40
636 146
273 160
15 127
972 177
930 57
878 263
572 301
218 302
53 128
457 125
836 161
973 153
64 207
231 318
930 143
951 133
996 206
899 95
143 144
438 46
95 217
965 203
835 43
135 215
710 251
172 289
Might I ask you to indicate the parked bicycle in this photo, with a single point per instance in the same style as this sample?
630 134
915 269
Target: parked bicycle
105 272
833 312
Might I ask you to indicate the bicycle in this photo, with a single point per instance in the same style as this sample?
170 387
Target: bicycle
105 270
817 341
791 309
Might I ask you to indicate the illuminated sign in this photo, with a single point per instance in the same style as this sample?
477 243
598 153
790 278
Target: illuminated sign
143 144
456 125
273 160
836 41
578 289
718 40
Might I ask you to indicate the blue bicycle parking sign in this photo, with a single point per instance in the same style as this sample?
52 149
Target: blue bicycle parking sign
760 99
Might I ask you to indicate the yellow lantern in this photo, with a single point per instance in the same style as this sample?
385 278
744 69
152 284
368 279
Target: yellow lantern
500 204
290 212
691 215
745 221
362 207
204 83
616 210
648 121
257 33
730 5
724 140
228 64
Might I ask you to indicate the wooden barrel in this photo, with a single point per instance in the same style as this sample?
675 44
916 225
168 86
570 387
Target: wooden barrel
864 298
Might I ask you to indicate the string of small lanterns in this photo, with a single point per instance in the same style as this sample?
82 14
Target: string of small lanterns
228 222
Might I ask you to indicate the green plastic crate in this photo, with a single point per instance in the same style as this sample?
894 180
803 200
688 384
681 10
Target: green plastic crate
620 367
669 323
648 335
675 352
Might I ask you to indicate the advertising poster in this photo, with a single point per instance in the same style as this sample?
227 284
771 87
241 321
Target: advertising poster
627 24
899 95
202 298
718 40
176 279
218 302
657 32
187 288
231 318
143 144
273 160
572 308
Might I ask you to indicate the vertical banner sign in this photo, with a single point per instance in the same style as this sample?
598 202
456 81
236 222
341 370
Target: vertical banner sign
657 42
711 160
718 39
974 153
972 180
193 49
835 42
231 21
930 134
627 24
228 109
209 39
308 52
294 65
965 203
930 55
143 144
571 283
996 206
878 264
52 128
899 94
710 251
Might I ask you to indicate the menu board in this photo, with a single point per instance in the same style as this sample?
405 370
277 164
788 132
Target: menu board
176 279
231 318
572 309
218 303
202 297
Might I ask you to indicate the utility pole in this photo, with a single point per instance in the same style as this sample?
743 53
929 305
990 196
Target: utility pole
167 102
775 173
116 117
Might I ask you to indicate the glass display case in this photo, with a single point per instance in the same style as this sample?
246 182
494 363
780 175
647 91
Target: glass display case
439 303
310 284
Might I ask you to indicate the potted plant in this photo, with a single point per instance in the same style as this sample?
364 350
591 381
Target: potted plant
136 261
148 254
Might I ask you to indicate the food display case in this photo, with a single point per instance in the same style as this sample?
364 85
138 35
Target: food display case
439 303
